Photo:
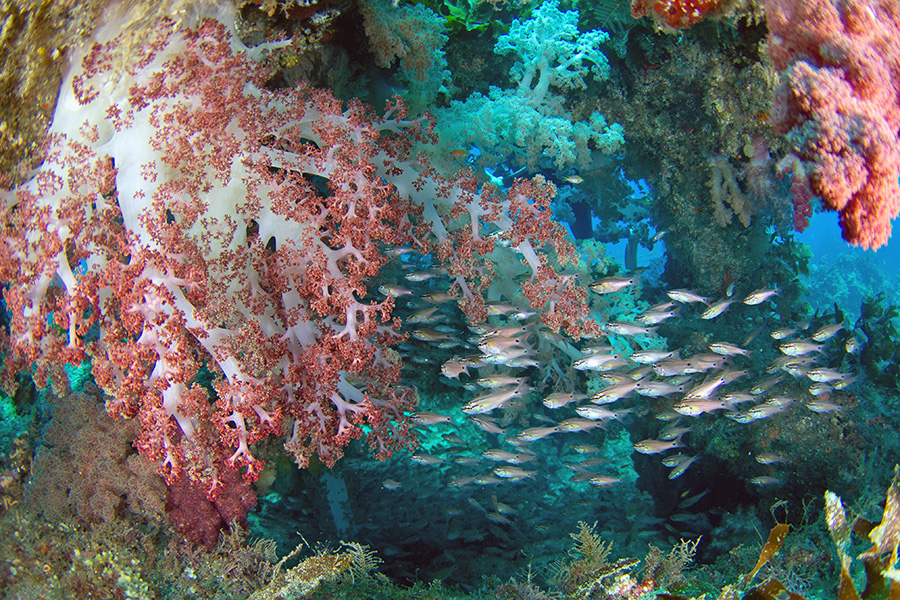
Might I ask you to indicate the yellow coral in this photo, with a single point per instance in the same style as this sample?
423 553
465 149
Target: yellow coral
727 197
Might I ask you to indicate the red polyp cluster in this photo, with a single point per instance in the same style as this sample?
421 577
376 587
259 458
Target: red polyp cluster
191 236
838 103
681 14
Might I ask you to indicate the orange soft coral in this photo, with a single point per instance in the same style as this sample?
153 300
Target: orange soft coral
679 14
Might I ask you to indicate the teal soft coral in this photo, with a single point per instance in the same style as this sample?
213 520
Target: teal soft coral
530 123
551 51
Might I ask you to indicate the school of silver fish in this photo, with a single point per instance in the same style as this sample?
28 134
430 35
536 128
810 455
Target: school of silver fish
501 366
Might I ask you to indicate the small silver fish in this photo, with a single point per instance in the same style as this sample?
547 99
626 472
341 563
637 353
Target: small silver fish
673 459
825 375
766 384
672 367
609 285
427 334
767 458
509 331
844 382
500 309
686 296
486 424
785 362
706 389
661 307
596 413
394 291
521 361
498 381
455 440
651 446
784 332
426 315
594 362
651 317
499 344
741 417
602 481
800 348
457 482
767 409
737 397
419 276
574 425
512 472
726 349
649 357
487 480
716 309
826 332
560 399
759 296
765 480
498 518
657 389
438 297
695 408
586 449
823 406
681 467
429 418
627 329
497 455
453 368
610 394
670 433
426 459
489 402
536 433
821 390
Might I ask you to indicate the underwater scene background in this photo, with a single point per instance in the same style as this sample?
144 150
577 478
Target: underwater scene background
435 299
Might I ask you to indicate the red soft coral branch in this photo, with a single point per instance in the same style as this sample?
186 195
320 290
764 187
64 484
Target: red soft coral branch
838 101
234 229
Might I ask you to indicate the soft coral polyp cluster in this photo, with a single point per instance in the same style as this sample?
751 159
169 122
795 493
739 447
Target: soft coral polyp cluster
681 14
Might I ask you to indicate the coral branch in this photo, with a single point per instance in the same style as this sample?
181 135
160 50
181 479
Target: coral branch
839 104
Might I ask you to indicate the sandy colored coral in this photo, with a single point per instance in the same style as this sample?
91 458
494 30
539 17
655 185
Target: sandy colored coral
36 38
113 480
